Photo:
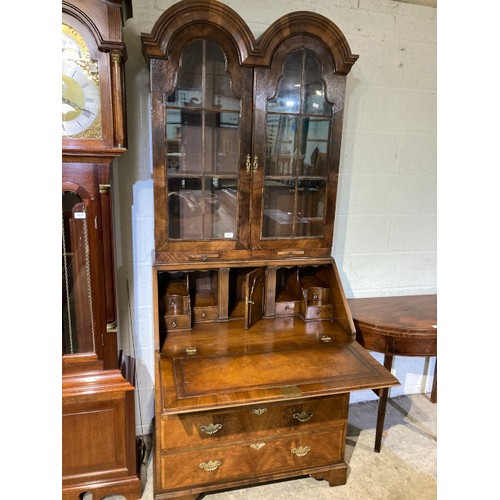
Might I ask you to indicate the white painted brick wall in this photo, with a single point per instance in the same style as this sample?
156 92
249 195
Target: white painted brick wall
385 233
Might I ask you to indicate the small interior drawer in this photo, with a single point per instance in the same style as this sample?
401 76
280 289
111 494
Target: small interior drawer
177 321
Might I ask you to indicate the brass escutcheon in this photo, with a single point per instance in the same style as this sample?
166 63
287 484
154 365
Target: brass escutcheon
257 446
259 411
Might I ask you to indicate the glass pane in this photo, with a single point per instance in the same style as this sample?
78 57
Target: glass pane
218 83
278 209
282 141
227 145
77 317
203 154
314 88
220 210
188 91
310 208
191 142
185 207
174 156
287 99
315 134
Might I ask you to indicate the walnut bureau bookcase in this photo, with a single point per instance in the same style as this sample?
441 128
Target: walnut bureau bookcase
255 344
98 414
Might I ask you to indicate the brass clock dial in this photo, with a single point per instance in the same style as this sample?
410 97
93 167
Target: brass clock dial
81 101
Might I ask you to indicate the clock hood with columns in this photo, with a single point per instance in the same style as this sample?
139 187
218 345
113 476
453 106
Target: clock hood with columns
99 23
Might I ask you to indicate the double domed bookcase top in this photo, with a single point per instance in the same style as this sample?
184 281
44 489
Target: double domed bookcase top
255 344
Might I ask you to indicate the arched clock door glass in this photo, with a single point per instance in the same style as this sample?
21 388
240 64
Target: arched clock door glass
298 119
203 148
77 305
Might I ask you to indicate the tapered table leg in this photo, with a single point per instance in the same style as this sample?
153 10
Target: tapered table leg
434 393
382 405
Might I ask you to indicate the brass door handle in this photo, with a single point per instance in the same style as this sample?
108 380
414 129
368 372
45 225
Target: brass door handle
301 451
210 465
247 163
211 429
255 163
302 417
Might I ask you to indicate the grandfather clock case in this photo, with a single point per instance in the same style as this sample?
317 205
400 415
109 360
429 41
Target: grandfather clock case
255 344
98 409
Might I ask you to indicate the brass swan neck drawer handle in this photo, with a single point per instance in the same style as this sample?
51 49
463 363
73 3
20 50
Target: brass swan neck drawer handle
301 451
210 466
211 429
302 417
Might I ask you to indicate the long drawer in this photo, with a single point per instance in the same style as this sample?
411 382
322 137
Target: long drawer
253 458
226 426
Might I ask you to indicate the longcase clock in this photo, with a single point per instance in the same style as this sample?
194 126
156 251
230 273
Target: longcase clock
98 420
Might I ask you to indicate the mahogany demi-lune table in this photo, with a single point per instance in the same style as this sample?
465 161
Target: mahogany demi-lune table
396 326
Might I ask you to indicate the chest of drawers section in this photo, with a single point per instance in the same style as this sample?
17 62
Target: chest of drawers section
232 446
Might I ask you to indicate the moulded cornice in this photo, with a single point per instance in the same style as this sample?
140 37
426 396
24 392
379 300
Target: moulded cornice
79 14
311 24
180 15
251 52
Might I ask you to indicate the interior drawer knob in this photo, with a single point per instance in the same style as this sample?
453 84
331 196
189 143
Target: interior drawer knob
211 429
301 451
211 465
302 417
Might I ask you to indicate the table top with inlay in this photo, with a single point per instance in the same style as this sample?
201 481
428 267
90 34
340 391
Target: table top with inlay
403 325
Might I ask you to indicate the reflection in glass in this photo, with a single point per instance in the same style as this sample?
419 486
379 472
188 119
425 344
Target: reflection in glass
314 146
296 163
220 216
188 91
202 208
185 205
282 141
78 318
287 98
278 209
311 195
314 88
203 156
218 84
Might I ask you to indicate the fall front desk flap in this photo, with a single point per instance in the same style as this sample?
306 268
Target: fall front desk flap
221 364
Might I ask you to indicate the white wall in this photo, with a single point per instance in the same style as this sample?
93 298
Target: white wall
385 231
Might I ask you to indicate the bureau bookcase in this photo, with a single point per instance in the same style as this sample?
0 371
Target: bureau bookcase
255 344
